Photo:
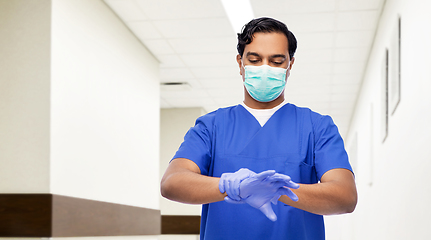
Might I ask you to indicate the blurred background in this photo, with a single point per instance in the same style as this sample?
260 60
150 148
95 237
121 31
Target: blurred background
96 96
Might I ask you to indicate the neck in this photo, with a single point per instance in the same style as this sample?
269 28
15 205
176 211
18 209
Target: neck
250 102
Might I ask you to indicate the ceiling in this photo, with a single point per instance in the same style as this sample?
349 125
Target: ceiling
196 44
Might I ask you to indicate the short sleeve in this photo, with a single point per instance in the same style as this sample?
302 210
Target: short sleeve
197 143
329 151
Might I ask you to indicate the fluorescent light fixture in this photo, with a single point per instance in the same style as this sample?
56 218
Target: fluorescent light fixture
175 86
239 13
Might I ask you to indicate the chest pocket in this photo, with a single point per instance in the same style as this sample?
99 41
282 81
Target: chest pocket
299 170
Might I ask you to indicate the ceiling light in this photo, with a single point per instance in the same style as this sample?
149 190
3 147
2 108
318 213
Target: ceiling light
239 13
175 86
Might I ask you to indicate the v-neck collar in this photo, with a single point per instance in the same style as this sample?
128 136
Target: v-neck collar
258 113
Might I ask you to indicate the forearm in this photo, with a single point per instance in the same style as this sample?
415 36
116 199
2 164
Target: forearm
326 198
187 186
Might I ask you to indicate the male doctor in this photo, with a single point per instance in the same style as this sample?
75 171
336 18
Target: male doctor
265 168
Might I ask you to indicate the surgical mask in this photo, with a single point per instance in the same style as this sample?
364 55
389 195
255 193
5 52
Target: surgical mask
264 83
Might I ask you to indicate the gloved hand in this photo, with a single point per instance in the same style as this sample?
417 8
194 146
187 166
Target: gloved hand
287 183
265 188
229 182
258 190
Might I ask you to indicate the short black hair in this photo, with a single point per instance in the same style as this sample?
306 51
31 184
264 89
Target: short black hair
265 25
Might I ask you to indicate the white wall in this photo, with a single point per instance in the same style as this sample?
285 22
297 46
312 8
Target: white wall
104 108
392 176
174 124
24 96
79 104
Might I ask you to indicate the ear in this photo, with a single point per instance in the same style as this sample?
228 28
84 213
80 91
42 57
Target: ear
291 62
239 61
290 67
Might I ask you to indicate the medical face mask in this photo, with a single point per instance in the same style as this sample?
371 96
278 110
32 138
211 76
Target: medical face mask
264 83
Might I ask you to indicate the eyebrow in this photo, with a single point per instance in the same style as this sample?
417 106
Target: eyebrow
252 54
272 56
278 56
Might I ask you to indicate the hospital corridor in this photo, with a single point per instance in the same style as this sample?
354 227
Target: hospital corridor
118 117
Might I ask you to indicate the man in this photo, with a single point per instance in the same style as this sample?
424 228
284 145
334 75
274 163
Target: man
255 153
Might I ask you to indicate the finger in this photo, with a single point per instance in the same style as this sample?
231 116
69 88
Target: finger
286 179
280 177
244 172
221 184
235 188
231 191
292 184
289 193
267 210
230 200
261 176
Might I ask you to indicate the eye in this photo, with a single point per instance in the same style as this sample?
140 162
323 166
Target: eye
253 60
277 61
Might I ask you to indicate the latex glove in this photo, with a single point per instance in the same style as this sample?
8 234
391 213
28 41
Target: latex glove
229 183
262 189
287 183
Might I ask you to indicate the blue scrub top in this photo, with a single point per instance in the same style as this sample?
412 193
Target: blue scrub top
295 141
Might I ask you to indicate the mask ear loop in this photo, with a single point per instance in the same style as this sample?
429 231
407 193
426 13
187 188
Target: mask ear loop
243 66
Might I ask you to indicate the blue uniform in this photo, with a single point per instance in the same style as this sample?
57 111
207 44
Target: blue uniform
295 141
